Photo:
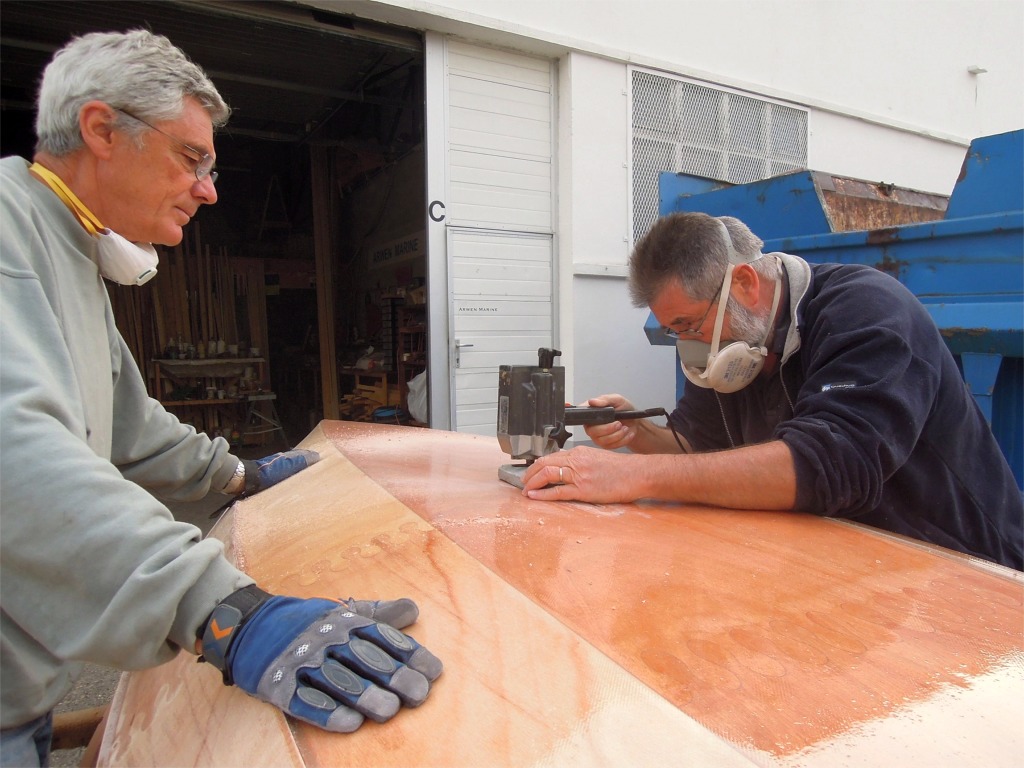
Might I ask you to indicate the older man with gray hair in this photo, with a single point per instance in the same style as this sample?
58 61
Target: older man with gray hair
93 567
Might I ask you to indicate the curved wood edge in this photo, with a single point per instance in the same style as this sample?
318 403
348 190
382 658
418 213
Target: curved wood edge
519 687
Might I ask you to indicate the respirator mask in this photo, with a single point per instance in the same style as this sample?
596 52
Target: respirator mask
737 364
118 259
123 261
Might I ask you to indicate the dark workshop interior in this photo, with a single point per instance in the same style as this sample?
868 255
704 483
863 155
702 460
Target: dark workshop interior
314 256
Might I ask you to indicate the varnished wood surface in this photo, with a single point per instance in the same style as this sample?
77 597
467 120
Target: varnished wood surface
576 634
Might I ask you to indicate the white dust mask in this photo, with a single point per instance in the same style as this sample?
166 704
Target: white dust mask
738 363
118 259
123 261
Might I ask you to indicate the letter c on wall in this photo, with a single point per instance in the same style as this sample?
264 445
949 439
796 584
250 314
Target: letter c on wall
431 210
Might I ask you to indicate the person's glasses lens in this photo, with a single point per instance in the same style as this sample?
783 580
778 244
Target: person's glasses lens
205 168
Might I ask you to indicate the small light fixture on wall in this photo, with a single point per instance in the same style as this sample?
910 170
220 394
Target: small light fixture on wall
975 69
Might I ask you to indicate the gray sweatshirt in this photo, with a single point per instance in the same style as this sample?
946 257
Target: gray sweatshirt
92 566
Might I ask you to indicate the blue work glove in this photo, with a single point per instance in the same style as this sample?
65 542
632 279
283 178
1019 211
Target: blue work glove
322 661
260 474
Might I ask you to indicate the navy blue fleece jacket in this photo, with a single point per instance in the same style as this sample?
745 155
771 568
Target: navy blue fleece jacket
878 418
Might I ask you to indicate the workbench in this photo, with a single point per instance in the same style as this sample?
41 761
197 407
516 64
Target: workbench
620 634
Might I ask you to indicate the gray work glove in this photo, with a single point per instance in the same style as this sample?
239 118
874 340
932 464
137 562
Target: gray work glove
326 662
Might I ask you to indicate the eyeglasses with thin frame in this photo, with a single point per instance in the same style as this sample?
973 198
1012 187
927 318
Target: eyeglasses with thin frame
695 329
204 165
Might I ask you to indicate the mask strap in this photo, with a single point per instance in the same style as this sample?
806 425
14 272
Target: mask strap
723 299
775 307
716 337
86 217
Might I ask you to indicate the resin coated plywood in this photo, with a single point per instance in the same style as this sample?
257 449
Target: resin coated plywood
581 634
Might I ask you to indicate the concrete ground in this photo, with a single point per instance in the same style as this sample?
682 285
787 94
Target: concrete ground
96 685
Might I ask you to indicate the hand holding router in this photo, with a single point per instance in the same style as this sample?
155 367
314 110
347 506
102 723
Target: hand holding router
533 416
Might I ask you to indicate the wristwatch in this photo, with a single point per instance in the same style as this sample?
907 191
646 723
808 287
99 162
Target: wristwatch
237 482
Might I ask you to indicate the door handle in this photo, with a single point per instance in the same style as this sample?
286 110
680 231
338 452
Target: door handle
458 352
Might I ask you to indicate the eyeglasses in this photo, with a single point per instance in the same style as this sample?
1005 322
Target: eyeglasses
695 329
203 166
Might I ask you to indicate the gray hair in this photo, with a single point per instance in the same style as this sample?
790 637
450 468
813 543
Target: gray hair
695 249
137 71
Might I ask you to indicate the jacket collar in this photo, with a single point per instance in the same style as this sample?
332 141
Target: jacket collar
799 273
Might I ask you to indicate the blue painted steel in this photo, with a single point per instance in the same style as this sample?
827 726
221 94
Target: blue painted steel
672 186
968 269
655 334
777 207
992 177
969 273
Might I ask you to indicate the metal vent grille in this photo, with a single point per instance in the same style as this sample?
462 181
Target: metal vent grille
688 128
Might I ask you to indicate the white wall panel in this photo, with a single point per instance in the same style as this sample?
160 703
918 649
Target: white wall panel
469 92
499 133
500 171
498 65
499 139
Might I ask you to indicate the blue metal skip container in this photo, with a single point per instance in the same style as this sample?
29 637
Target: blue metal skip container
963 259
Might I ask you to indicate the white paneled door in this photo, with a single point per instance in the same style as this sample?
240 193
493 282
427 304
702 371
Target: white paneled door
497 212
501 289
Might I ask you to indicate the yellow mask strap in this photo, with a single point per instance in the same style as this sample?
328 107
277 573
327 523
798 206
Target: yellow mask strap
85 216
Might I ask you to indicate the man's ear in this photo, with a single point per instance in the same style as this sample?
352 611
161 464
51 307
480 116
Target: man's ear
96 122
746 284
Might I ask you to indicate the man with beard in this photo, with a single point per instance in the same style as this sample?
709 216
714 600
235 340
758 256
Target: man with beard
823 388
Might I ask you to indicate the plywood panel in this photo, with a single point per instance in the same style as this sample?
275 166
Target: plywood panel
518 689
789 635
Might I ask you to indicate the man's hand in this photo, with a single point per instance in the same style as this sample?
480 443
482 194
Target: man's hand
320 660
260 474
588 474
639 435
615 434
761 476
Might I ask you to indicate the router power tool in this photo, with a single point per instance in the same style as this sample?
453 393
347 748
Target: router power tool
533 416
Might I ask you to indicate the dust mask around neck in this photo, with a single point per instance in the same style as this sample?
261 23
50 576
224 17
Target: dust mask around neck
118 259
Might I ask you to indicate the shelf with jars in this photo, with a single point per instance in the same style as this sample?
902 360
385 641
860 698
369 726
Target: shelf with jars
210 393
